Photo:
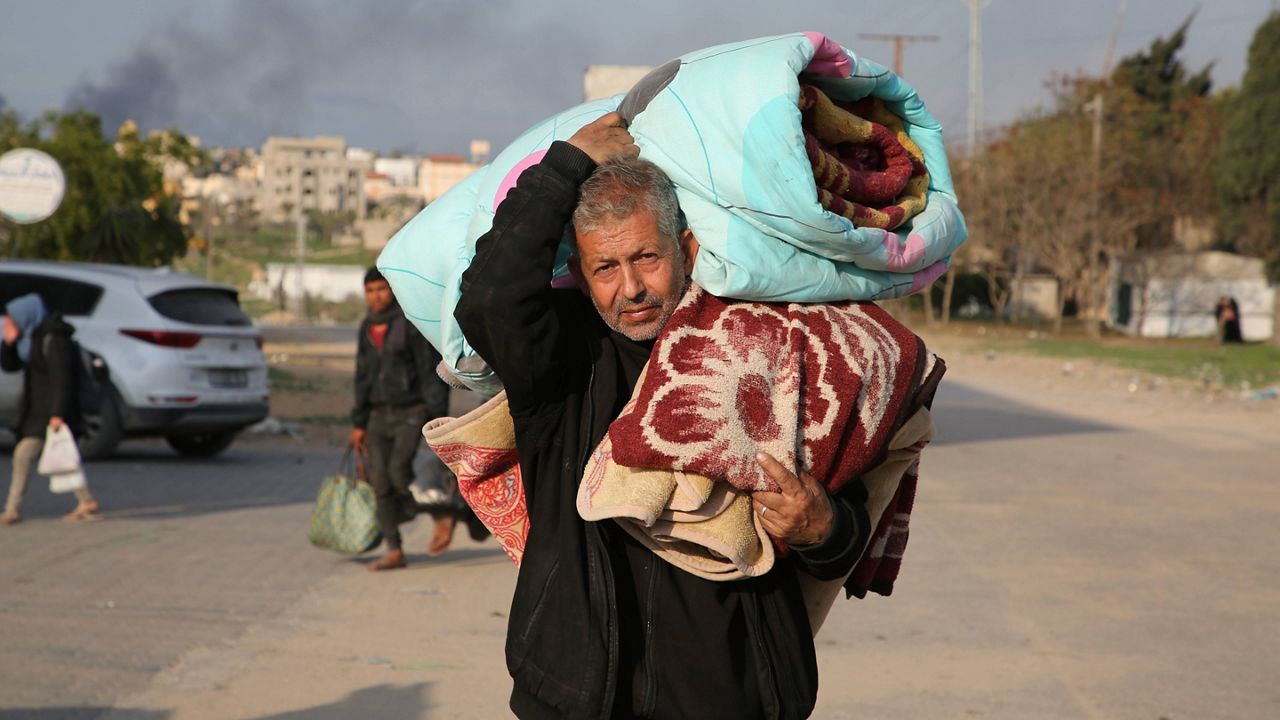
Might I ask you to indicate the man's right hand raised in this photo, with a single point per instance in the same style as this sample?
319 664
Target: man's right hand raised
605 139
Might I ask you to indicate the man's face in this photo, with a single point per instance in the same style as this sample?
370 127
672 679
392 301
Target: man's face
377 294
634 276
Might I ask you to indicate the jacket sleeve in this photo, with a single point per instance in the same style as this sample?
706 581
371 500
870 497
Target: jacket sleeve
59 355
834 557
506 310
9 359
435 392
360 411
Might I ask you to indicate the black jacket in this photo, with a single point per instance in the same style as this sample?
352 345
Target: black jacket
398 378
48 377
599 626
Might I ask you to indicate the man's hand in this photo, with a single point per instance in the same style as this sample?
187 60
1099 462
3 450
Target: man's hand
55 423
605 139
357 439
799 515
11 331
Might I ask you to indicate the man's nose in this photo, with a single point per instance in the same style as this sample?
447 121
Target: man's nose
632 284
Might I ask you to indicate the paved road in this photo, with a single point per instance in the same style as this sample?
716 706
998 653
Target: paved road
190 553
1121 563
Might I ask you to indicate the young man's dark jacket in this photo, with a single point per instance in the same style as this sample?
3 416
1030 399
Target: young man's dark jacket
599 626
397 377
48 377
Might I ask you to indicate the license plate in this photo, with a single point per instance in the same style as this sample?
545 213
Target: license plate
229 378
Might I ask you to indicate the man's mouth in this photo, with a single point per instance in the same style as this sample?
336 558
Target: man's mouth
640 314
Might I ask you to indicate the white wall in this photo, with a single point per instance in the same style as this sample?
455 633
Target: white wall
332 283
402 171
1172 308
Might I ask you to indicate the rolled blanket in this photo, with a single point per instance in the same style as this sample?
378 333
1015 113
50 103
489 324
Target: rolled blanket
724 123
865 165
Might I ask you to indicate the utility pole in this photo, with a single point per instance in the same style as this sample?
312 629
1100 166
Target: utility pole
899 44
299 257
975 70
1097 105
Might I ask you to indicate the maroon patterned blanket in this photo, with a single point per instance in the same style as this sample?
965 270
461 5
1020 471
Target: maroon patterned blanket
822 387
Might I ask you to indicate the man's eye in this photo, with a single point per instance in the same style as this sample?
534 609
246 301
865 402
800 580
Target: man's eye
604 270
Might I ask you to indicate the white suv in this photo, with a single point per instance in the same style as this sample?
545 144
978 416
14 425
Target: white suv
181 358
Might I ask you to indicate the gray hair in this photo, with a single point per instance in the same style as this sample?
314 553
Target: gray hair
620 188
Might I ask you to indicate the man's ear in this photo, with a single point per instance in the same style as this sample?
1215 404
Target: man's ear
689 244
575 269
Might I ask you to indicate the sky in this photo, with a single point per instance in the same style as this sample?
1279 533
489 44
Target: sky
431 75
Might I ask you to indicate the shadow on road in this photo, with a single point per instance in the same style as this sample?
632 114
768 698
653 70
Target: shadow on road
964 414
147 481
375 703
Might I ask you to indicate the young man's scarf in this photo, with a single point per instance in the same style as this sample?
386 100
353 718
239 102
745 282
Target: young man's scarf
393 317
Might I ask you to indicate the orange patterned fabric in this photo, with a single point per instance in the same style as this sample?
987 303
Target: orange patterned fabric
480 448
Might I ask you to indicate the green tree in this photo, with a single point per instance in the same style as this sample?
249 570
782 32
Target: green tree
1248 167
1163 111
1158 75
115 208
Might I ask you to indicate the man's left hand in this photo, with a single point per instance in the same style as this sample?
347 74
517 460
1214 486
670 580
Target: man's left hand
801 514
55 423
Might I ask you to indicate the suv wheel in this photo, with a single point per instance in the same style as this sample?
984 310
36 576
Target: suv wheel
202 445
102 431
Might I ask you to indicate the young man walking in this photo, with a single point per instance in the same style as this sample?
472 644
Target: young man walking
397 392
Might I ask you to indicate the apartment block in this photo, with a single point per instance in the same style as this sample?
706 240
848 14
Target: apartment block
300 174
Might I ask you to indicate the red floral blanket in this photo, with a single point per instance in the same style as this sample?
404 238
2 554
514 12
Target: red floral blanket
814 385
822 387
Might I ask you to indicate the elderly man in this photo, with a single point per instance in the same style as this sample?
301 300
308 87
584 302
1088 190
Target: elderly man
599 625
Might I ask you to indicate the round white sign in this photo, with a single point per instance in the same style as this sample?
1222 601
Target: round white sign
31 185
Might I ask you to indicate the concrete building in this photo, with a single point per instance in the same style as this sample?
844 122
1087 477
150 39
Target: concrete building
1033 296
1174 295
601 81
438 173
300 174
240 185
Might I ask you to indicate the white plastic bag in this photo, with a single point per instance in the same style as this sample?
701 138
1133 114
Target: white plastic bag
60 455
67 482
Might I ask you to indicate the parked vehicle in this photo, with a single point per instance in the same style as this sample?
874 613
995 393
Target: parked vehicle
181 358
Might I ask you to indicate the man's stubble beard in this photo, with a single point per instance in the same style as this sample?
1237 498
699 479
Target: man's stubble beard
667 308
